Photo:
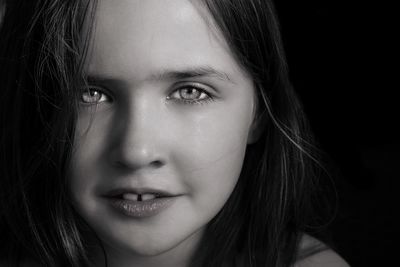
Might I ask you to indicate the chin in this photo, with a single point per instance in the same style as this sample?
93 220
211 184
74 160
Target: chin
173 243
144 248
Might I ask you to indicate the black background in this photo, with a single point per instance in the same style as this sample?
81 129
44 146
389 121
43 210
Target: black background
342 63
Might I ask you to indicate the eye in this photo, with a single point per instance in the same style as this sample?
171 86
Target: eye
190 94
94 95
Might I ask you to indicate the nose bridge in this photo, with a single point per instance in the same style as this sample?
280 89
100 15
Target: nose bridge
138 140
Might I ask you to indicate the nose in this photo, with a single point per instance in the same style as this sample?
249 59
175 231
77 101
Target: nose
137 134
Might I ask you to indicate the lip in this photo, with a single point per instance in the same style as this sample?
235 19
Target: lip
140 209
116 192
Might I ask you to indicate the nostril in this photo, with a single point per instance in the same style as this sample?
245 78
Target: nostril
157 163
153 164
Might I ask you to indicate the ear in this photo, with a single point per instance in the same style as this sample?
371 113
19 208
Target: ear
256 129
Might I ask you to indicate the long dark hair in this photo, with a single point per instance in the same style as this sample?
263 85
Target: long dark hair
278 196
41 55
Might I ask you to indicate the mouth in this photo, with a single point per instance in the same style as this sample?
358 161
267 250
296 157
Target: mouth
140 203
142 194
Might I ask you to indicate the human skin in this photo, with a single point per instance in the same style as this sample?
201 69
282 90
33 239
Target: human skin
169 108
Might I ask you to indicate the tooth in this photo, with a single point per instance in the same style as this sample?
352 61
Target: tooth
130 196
148 197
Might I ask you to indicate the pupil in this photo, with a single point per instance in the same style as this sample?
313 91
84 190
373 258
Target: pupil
190 93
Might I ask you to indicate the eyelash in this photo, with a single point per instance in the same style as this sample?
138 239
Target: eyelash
90 90
203 94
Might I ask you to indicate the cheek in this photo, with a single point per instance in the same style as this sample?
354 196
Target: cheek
86 160
212 154
91 138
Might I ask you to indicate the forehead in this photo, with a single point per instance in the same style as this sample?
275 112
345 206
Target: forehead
138 37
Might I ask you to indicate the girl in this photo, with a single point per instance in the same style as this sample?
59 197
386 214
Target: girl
153 133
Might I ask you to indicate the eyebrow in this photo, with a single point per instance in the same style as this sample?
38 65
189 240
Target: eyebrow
170 74
195 72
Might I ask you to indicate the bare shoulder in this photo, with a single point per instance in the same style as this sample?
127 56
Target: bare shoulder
324 256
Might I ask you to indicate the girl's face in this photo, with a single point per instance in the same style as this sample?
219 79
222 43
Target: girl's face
168 114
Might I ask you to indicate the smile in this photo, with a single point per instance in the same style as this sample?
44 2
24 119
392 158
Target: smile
140 203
